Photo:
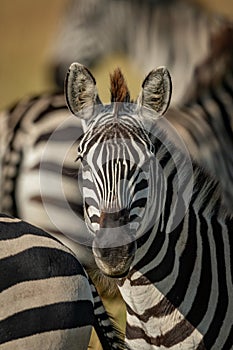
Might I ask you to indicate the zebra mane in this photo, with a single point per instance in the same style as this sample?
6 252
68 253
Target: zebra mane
217 65
221 51
118 87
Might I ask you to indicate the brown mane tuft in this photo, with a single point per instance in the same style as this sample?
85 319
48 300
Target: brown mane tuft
119 90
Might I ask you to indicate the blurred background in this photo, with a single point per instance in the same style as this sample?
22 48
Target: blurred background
28 29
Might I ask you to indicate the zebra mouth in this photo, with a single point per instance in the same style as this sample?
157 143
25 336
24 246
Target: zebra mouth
113 271
114 262
116 276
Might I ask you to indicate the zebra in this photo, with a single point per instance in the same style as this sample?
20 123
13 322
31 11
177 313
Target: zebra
32 121
156 219
27 129
205 119
47 300
28 126
175 33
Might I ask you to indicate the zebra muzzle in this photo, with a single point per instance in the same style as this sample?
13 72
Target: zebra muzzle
114 254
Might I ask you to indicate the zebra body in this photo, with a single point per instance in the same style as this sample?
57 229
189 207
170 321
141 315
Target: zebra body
206 125
30 125
37 173
47 300
171 251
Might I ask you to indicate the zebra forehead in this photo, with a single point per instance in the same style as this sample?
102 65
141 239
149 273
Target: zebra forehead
118 87
114 133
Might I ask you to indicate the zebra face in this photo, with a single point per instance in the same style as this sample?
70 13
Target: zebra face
115 186
115 152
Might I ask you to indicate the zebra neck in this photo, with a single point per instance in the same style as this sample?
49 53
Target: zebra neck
172 261
162 285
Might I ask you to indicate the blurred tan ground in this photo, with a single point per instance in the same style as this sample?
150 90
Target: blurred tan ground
26 30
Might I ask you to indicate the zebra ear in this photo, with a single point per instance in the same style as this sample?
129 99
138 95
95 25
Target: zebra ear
80 88
156 90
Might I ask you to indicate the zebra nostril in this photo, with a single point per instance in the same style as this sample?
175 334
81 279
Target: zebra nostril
119 252
113 236
114 243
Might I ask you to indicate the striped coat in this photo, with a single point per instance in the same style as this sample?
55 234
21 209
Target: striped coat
156 219
46 298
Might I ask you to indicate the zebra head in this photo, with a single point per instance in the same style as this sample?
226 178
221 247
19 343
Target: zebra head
115 152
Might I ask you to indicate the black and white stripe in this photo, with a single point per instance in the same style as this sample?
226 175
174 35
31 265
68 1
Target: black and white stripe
100 190
43 290
38 182
29 126
205 123
177 266
205 119
47 300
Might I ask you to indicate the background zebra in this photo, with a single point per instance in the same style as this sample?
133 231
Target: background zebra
46 298
205 119
170 241
174 33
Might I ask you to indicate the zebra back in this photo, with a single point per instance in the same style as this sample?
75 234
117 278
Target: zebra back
47 300
45 297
